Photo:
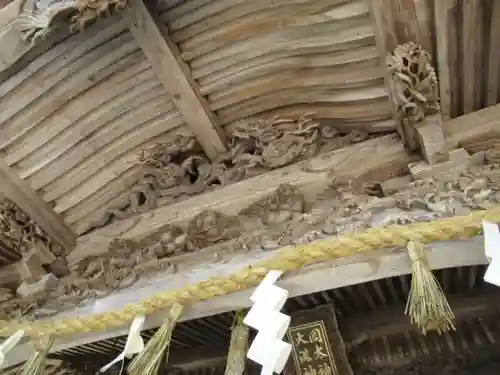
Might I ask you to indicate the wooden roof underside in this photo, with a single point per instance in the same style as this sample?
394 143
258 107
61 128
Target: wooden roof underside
77 109
74 140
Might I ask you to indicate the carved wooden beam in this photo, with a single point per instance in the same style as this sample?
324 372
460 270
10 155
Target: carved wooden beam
348 162
345 163
335 274
18 191
175 75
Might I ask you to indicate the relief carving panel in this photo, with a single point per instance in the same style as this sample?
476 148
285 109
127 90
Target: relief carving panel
285 217
176 170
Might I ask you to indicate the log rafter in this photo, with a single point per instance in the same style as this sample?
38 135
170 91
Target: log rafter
175 75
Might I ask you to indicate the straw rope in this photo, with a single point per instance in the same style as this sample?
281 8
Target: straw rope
288 259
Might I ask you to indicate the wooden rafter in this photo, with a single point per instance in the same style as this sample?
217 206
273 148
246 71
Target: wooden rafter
494 56
175 75
19 192
471 45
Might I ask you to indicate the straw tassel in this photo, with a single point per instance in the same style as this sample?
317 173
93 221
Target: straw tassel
236 357
36 365
427 305
149 360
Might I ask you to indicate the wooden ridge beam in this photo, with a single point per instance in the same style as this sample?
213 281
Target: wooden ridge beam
175 75
19 192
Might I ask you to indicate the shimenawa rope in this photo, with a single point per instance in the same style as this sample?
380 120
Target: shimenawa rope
288 259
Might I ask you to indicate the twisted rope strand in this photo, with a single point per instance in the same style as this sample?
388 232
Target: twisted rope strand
288 259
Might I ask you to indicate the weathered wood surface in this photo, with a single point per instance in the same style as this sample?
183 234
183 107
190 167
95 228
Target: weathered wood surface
317 344
75 139
15 189
316 174
353 161
335 274
175 76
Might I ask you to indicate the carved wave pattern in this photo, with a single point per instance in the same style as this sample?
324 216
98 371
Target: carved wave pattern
285 57
73 121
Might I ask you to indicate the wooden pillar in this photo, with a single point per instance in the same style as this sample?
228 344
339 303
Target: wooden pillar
317 345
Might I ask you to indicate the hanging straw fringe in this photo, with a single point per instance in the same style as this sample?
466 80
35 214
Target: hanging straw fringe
427 305
236 357
36 365
149 360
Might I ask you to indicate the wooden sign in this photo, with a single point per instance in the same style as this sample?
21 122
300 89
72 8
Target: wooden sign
317 346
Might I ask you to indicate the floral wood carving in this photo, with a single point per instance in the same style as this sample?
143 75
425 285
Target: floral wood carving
174 171
72 15
284 217
414 88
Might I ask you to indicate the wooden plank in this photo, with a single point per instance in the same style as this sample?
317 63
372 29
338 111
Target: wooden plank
391 321
330 275
423 16
471 50
494 55
442 14
474 127
35 207
317 344
385 39
12 45
175 75
431 137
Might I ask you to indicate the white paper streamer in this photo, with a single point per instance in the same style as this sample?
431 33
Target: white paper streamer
268 348
7 345
491 233
134 344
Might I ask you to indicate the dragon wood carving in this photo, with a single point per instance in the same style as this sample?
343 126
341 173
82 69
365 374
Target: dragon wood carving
173 171
414 88
283 218
39 21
